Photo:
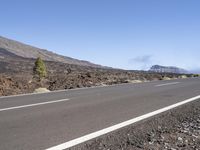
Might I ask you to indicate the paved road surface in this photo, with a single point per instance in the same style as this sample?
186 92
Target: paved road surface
40 121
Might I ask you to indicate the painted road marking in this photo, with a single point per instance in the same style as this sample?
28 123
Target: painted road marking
171 83
30 105
118 126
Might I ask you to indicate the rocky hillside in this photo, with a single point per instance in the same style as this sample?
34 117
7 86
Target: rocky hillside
167 69
27 51
16 75
17 62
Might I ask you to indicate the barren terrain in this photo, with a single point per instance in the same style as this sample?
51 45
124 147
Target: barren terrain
16 76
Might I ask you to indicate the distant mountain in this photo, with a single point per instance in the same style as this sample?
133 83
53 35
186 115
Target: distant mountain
167 69
15 48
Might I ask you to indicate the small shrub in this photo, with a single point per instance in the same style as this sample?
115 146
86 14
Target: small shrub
39 69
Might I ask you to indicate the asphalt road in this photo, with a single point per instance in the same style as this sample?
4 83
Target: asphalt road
41 121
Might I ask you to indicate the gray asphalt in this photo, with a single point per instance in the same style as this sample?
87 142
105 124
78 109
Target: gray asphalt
88 110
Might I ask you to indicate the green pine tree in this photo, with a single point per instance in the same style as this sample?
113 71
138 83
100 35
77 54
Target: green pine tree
39 69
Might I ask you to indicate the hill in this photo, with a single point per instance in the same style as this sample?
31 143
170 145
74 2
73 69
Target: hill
167 69
16 48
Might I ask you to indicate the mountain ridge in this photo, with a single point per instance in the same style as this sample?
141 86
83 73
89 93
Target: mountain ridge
28 51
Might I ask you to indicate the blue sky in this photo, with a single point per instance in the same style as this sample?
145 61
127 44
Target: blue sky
128 34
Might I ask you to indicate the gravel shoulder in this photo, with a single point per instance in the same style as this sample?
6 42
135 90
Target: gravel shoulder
177 129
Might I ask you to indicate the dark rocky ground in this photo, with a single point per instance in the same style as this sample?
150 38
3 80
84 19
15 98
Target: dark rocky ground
178 129
16 76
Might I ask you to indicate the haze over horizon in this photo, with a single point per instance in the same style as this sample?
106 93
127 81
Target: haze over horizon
128 35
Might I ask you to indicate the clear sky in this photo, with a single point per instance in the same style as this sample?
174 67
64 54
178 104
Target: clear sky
128 34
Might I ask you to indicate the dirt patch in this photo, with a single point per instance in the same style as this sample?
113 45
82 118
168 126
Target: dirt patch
41 90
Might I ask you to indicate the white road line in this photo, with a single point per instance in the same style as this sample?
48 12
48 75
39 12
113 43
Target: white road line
171 83
118 126
30 105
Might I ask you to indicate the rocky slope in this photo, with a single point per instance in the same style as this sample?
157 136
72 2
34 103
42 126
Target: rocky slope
16 75
27 51
167 69
17 62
